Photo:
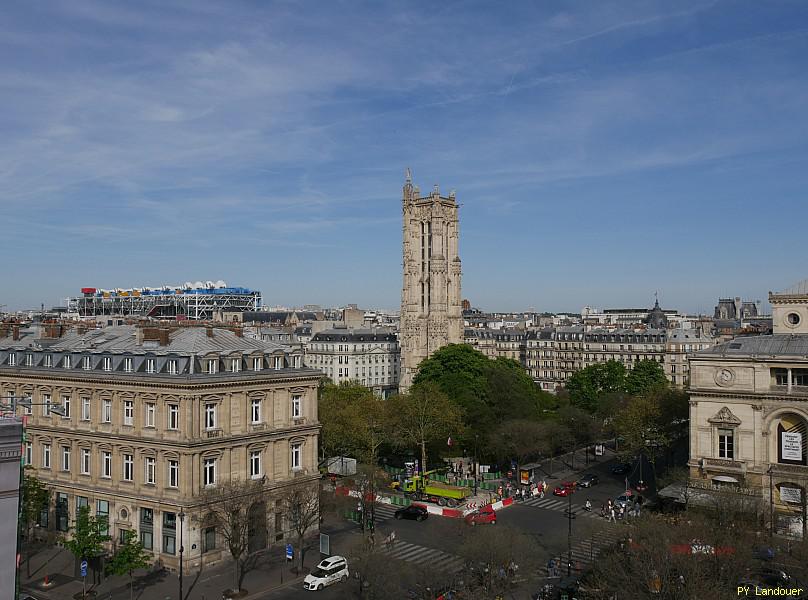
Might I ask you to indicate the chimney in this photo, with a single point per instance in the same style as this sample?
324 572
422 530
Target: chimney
15 332
239 331
209 331
163 336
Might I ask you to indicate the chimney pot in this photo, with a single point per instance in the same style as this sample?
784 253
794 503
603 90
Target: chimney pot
16 332
209 331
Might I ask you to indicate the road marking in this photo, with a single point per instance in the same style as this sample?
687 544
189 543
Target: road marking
421 554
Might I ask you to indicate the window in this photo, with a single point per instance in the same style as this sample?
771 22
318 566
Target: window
128 412
173 416
209 472
799 377
278 362
65 458
726 444
86 363
150 413
106 464
255 463
210 416
28 410
127 365
258 363
128 467
12 359
172 367
149 476
147 528
169 532
173 473
85 461
48 360
255 410
102 510
85 409
62 511
107 363
209 541
149 365
296 406
66 406
46 453
29 360
66 362
29 453
297 451
210 367
106 410
235 365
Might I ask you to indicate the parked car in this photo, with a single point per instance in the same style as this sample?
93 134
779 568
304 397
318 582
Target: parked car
763 553
486 514
588 480
415 512
565 488
624 500
621 468
330 570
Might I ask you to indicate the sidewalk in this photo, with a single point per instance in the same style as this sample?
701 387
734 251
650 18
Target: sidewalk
269 572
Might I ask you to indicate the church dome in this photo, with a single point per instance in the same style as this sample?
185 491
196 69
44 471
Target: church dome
656 318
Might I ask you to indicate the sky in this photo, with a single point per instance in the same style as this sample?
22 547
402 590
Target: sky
601 151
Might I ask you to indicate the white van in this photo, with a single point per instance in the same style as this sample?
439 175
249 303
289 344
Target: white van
330 570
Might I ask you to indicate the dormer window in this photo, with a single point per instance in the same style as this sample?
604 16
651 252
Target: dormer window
12 359
210 366
149 365
29 360
172 367
127 365
235 365
66 362
107 363
85 363
258 363
278 362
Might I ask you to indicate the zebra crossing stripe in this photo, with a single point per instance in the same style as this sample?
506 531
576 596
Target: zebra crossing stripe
419 554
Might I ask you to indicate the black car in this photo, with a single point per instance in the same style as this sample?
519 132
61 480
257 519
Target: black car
588 480
413 511
621 468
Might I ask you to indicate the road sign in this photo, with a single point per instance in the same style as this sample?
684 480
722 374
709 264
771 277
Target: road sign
83 567
290 552
471 505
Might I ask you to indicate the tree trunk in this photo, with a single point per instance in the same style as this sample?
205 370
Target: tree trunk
131 587
300 554
423 457
235 574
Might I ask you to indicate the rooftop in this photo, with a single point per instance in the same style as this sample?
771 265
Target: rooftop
777 344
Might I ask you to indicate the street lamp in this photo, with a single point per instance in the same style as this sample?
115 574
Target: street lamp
476 463
570 517
182 548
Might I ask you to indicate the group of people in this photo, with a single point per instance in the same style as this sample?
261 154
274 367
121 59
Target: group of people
612 511
522 492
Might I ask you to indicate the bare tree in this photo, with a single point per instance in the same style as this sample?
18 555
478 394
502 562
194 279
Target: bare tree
301 503
226 506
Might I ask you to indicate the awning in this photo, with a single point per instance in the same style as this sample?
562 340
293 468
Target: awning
725 479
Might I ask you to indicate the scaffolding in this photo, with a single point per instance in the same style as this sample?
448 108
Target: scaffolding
197 301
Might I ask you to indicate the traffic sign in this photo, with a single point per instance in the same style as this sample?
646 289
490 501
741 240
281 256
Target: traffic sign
83 567
290 552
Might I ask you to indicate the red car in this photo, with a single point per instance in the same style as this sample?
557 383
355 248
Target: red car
484 515
564 489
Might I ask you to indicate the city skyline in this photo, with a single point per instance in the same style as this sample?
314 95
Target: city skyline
599 154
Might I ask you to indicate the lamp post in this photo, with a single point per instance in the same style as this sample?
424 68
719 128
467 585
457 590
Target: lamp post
476 463
182 549
569 532
11 404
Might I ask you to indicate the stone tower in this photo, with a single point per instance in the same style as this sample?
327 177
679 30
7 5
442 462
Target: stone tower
431 305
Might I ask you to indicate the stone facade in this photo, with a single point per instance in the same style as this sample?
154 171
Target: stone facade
154 417
431 305
749 412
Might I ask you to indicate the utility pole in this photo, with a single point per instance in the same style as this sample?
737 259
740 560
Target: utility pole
570 517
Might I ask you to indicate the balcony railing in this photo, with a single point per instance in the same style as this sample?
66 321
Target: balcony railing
795 389
213 433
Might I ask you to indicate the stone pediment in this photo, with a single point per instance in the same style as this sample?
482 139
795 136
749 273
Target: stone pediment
724 417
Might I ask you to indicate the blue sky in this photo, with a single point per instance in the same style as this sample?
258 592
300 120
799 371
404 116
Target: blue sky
601 150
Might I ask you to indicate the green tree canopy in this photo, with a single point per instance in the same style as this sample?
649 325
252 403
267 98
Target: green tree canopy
129 557
646 376
587 386
88 534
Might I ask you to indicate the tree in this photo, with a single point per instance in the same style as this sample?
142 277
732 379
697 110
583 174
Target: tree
552 436
301 503
587 386
338 408
35 498
639 428
646 376
519 439
129 557
423 416
87 535
226 507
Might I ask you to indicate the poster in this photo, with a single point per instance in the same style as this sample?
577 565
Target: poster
791 495
791 445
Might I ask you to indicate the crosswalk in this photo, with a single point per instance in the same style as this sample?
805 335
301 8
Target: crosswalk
422 555
384 512
552 503
584 552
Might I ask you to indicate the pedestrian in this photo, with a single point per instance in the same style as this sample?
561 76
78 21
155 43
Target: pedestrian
551 568
611 516
588 505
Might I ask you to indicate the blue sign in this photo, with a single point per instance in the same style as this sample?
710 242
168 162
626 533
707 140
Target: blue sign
290 552
83 568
